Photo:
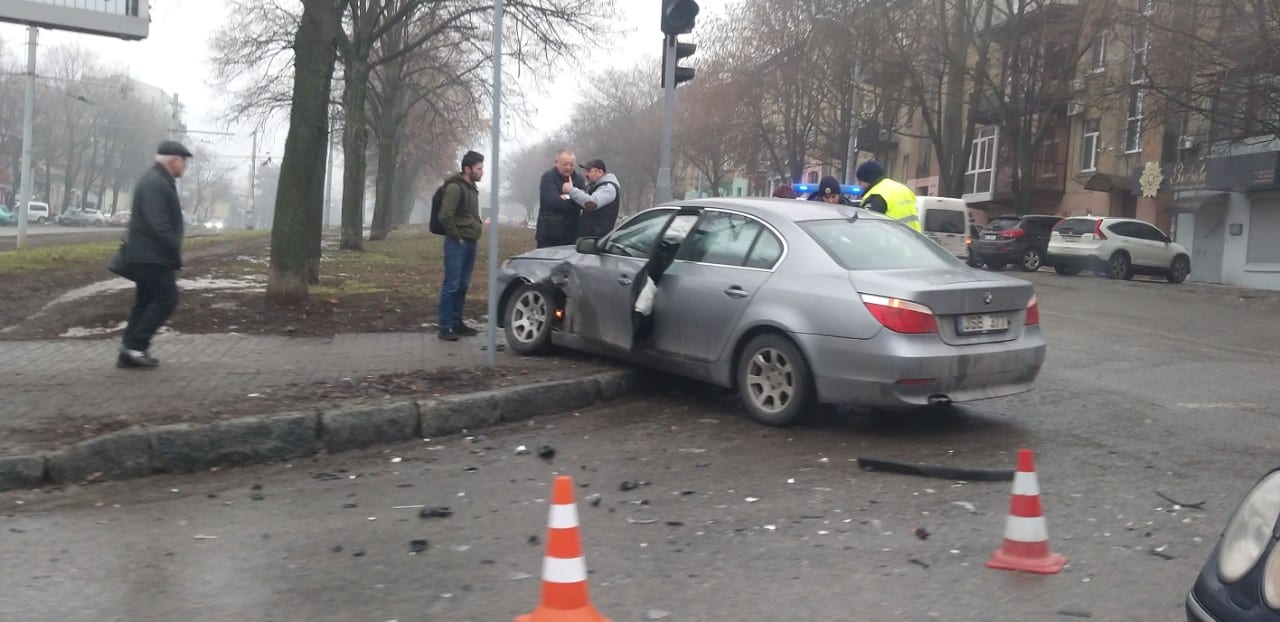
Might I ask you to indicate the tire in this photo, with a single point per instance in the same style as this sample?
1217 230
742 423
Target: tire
1031 260
1067 270
1119 266
528 319
975 263
774 381
1179 270
40 220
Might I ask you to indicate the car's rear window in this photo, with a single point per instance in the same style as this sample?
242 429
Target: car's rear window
1000 224
944 221
866 244
1076 226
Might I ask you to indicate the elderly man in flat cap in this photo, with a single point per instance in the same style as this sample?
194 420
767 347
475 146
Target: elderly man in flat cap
153 253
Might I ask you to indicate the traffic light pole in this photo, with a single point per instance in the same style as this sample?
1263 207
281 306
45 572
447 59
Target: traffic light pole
663 193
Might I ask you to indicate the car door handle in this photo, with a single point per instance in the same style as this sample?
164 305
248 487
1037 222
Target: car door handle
736 292
624 280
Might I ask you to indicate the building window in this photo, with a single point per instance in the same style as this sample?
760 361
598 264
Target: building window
980 178
1264 225
1148 7
1098 53
926 147
1133 124
906 165
1141 44
1089 146
813 177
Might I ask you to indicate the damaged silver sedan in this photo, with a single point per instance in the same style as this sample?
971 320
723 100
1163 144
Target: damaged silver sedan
791 303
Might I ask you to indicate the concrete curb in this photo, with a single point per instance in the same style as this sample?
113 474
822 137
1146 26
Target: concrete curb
189 448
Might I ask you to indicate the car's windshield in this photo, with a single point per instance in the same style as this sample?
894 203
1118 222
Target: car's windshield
866 244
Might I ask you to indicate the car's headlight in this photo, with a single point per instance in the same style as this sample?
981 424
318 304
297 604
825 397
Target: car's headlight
1250 529
1271 580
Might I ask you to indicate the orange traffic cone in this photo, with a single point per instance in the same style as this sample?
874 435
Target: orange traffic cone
564 569
1026 538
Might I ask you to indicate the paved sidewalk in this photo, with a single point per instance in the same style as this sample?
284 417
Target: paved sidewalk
70 380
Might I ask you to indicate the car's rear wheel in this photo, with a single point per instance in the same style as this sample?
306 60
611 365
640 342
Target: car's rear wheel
774 381
1067 269
1120 266
1031 260
528 319
40 220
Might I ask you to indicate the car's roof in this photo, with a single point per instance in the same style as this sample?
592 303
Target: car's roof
783 209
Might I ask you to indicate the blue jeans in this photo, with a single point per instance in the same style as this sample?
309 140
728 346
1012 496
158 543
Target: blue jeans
459 261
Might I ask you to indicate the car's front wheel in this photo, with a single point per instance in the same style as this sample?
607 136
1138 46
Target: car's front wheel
1031 260
528 319
774 381
1180 269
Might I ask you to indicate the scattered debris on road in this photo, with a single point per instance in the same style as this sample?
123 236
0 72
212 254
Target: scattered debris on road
1199 505
641 521
936 470
522 451
629 485
417 546
918 562
1075 613
656 614
546 452
922 533
436 512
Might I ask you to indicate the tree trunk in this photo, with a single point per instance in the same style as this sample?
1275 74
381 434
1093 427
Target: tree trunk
355 146
388 150
404 193
300 189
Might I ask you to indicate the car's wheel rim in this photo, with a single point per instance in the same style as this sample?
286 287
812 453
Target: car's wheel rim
771 380
529 316
1118 267
1031 260
1180 270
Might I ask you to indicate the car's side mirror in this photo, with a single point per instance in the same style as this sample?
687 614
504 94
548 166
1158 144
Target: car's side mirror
589 246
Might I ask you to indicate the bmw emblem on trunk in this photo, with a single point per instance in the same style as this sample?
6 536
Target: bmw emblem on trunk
987 298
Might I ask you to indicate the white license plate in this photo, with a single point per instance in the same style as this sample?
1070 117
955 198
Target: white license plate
1071 240
982 323
988 236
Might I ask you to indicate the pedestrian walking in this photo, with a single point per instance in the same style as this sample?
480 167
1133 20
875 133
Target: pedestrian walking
599 201
460 219
886 196
558 215
153 254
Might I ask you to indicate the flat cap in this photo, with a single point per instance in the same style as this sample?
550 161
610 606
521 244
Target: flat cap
173 148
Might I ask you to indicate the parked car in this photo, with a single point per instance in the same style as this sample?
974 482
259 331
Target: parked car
1117 247
92 217
70 217
791 303
7 217
38 212
944 220
1240 582
1018 240
119 219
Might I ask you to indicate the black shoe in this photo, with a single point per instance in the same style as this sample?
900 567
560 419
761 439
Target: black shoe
462 330
448 335
134 359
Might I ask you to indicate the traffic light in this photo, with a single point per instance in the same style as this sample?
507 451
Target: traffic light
683 74
678 16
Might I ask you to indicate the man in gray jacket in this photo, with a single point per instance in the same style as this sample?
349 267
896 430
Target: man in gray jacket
599 201
153 251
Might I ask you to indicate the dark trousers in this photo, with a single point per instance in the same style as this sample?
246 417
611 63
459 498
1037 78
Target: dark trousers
459 262
155 299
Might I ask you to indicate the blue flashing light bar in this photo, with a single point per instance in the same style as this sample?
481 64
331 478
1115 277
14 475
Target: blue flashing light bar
848 189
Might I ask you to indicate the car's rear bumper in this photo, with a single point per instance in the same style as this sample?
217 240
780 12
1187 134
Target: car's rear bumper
915 370
994 249
1081 257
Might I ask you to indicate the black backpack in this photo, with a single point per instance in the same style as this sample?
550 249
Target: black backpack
436 200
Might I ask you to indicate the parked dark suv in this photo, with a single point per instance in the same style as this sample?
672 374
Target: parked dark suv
1018 240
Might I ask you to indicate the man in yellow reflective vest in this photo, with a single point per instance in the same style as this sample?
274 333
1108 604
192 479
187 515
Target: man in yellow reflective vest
886 196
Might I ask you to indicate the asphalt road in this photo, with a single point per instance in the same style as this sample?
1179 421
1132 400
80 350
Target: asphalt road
1149 387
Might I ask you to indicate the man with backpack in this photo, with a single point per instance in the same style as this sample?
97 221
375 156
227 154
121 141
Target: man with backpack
458 215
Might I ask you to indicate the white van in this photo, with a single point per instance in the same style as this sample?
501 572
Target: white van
946 221
38 212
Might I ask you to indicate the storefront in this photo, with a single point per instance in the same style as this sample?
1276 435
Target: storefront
1226 211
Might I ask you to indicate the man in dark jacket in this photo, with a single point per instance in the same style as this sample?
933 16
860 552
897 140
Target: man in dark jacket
153 250
460 219
557 213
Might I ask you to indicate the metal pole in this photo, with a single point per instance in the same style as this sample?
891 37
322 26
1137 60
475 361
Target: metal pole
495 133
663 193
253 181
855 124
33 34
328 180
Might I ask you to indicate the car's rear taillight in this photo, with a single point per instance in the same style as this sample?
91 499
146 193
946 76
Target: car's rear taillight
1097 231
1012 233
901 316
1033 311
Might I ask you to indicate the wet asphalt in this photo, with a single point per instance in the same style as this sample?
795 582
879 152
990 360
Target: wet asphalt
1149 390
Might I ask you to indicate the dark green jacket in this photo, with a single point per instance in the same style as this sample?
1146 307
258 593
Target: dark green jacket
460 209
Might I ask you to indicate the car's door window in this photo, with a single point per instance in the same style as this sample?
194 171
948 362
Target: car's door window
721 238
1147 232
637 236
1126 229
766 252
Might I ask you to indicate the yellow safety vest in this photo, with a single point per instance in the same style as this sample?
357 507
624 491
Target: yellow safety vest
899 199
